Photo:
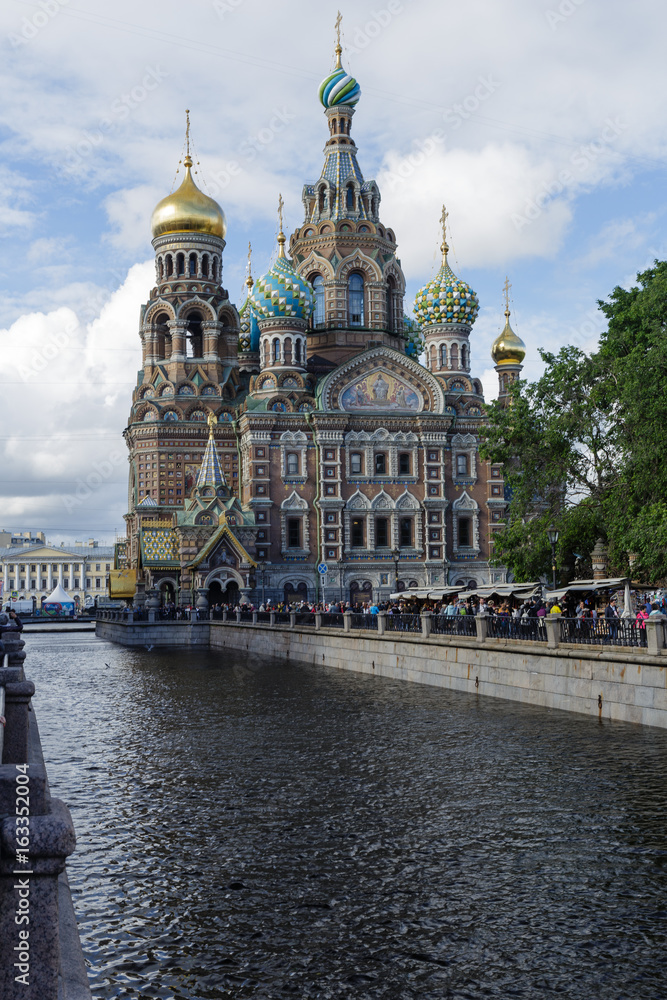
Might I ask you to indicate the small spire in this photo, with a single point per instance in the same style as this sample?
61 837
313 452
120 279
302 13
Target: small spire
281 235
507 287
188 158
444 246
249 279
210 473
211 420
338 50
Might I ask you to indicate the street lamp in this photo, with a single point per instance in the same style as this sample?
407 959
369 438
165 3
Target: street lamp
552 535
261 566
396 554
340 577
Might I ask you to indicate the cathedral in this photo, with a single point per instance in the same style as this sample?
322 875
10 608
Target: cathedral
316 442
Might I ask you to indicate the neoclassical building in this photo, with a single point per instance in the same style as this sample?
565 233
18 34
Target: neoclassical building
316 441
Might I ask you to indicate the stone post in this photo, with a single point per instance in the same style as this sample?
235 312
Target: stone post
482 626
318 620
238 615
51 841
347 621
139 599
292 619
151 614
382 622
225 615
202 598
254 617
193 614
554 628
655 634
272 618
426 624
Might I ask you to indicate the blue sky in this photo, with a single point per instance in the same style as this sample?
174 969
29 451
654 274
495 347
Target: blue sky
539 123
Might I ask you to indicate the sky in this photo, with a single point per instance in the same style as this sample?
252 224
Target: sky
539 123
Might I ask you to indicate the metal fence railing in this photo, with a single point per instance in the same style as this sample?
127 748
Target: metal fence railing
602 632
332 619
403 623
454 625
502 627
369 622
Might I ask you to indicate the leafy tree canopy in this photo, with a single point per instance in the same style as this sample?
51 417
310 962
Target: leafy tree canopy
585 446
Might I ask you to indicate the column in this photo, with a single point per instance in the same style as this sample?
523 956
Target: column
61 567
177 328
49 577
16 576
5 580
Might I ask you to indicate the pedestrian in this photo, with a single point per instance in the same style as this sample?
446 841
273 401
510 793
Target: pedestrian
611 618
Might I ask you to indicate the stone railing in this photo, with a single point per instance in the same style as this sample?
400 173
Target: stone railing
551 631
40 952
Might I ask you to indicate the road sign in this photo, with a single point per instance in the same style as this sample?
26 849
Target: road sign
322 568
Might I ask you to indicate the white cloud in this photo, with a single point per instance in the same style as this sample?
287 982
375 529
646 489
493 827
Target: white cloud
68 387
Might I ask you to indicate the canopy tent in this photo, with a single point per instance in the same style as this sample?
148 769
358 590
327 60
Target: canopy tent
58 602
595 586
426 593
517 591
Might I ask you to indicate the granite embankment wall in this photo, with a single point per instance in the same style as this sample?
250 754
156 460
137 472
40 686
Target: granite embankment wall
611 683
40 950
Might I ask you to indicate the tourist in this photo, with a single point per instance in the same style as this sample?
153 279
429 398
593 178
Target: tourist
611 618
655 610
640 618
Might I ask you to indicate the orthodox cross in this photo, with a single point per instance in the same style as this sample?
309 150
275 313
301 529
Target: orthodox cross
507 287
281 235
187 131
248 279
443 220
338 45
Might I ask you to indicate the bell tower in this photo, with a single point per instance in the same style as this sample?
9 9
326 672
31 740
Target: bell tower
342 248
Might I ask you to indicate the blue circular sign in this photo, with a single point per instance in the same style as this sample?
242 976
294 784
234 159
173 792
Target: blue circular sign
322 568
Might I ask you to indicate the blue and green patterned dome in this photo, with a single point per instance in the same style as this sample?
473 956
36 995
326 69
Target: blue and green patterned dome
339 88
414 343
282 292
249 335
446 300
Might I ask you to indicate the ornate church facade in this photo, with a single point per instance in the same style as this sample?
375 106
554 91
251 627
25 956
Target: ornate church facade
316 442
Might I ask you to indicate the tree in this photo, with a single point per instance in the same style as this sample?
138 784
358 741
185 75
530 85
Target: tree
585 446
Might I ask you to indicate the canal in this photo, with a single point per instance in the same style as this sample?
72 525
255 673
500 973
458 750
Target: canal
257 829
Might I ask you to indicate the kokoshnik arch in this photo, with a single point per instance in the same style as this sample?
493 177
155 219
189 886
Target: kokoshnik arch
303 429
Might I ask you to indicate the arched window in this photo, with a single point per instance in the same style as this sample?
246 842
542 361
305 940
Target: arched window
391 319
180 264
193 265
297 351
288 350
319 313
276 349
161 268
214 268
194 335
433 357
170 265
204 265
321 200
454 354
464 356
355 299
443 356
163 345
350 199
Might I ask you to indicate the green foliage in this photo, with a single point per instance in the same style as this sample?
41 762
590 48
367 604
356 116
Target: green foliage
585 446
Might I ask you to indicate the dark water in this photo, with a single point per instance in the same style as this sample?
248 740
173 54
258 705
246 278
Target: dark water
251 829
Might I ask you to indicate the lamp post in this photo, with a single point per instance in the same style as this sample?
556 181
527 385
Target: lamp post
552 535
340 578
261 566
396 554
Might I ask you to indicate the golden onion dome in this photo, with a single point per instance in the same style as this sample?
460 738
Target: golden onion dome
508 349
188 210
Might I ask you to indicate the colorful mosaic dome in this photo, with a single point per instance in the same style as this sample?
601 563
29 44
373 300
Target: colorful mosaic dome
339 88
414 343
446 300
282 291
249 336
